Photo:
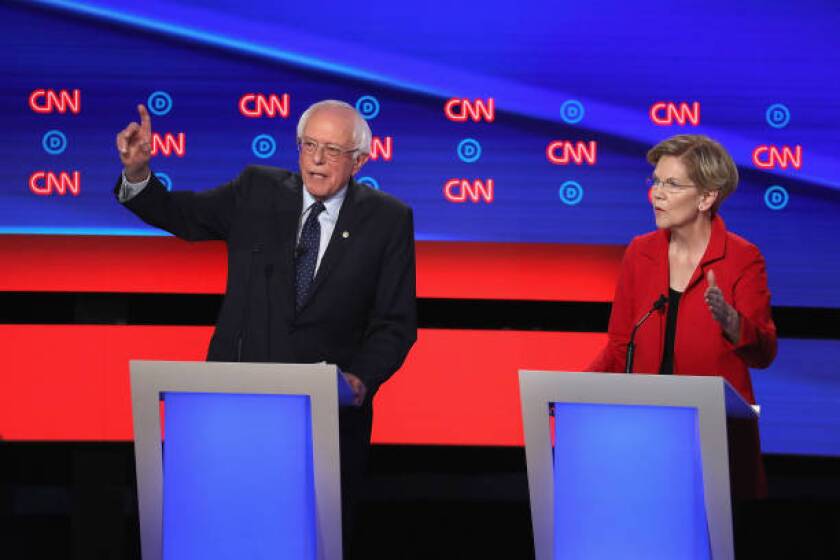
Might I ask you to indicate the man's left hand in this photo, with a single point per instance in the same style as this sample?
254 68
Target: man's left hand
358 388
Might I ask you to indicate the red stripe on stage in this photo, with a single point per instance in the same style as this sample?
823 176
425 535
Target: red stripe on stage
70 382
63 382
55 263
462 387
550 272
168 265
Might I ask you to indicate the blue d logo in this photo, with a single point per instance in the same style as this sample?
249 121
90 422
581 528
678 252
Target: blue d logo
369 181
469 150
263 146
54 142
368 107
159 103
572 111
777 115
776 197
571 193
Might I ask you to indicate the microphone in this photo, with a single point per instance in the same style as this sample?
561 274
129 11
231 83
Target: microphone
300 251
631 346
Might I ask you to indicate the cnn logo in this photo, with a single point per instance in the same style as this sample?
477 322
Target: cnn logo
461 109
666 113
44 101
564 152
769 157
464 190
45 183
169 144
382 148
256 105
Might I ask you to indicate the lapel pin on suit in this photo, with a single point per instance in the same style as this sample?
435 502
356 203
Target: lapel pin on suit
345 234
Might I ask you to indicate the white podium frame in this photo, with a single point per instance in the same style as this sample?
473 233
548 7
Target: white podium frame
713 397
149 379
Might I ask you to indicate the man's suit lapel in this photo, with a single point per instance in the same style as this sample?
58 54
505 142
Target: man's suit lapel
340 241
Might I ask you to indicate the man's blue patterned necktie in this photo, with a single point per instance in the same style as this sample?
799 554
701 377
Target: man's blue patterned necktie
306 254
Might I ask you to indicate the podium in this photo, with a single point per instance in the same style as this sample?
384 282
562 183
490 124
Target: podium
635 466
245 464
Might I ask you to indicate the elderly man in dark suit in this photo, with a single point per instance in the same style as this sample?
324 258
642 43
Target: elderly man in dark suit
320 267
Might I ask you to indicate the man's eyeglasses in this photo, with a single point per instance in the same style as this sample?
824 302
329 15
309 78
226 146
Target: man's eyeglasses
669 185
331 151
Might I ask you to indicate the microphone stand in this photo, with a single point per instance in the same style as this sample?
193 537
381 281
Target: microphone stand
631 346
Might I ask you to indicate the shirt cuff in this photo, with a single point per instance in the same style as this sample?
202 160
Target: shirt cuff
129 190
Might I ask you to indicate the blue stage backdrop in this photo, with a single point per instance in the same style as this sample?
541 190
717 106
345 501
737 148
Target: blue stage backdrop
524 123
499 122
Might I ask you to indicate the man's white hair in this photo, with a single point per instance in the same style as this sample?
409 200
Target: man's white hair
361 130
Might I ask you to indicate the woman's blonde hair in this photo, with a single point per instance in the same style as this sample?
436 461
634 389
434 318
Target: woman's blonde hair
708 164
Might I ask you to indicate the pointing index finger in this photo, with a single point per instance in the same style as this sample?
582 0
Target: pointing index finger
145 120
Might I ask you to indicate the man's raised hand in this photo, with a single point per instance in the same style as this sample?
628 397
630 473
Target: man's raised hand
134 144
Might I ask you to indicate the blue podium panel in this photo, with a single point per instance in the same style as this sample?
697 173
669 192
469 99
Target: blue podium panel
238 477
628 483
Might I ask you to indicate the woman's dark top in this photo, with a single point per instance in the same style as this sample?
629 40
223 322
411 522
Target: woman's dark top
667 367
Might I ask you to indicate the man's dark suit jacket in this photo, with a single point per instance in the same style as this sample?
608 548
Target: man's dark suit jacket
361 310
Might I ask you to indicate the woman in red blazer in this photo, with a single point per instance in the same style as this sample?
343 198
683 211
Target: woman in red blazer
717 320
